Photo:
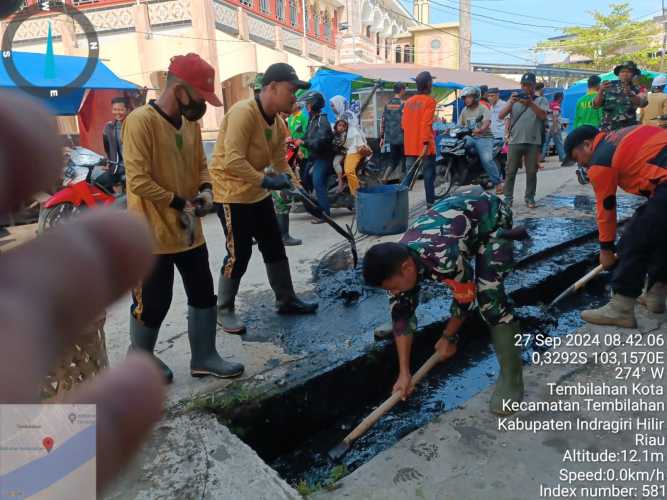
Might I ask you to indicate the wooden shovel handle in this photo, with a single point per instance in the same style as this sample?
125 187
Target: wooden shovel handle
390 402
584 280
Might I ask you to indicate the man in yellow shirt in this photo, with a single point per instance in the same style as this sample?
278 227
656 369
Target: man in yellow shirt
167 180
657 103
251 139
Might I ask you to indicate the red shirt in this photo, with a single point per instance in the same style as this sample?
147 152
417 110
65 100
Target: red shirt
417 123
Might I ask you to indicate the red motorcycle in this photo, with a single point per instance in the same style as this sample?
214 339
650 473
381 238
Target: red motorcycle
88 182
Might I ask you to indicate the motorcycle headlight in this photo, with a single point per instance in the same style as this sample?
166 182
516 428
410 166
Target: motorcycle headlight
452 132
79 174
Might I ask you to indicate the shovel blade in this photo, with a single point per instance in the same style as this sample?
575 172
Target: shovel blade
339 450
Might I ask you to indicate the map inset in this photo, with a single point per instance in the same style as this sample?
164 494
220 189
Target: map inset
47 451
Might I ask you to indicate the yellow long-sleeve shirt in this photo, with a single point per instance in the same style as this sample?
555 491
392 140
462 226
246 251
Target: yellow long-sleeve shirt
164 167
246 145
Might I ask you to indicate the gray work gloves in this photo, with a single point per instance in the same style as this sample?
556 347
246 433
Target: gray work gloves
188 222
277 182
203 203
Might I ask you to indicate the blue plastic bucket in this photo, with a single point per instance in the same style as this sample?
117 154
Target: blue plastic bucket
383 210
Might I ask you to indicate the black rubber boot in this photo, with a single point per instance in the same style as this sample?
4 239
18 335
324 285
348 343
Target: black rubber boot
143 338
287 302
227 318
283 223
509 385
205 359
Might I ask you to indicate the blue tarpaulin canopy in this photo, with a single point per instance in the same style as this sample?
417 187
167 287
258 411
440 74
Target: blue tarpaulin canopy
331 82
39 71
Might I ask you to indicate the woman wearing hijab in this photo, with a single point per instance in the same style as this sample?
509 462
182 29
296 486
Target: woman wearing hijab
355 143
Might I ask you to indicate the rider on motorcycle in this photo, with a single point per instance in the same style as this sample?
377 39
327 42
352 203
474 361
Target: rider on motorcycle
478 118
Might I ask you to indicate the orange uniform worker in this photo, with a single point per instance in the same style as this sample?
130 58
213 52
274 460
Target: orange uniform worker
635 159
418 137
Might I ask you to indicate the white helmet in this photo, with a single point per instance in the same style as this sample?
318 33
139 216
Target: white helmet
471 91
659 81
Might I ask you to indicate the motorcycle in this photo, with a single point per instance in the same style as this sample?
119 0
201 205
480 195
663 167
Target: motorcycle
88 182
460 164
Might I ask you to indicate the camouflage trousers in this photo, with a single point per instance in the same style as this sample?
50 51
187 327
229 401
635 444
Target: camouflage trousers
282 202
493 262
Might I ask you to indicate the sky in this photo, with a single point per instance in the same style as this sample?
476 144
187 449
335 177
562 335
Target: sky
503 40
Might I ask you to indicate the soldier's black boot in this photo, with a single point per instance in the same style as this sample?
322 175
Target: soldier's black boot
283 223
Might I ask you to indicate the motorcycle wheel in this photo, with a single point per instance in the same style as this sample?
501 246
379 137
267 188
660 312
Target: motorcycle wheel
444 179
49 217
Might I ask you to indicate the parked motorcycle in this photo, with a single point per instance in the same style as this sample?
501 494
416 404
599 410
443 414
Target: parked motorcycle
88 182
460 164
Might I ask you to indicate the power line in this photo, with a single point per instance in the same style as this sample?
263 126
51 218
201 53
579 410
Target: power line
536 17
510 21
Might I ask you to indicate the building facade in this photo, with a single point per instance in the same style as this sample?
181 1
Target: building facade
368 28
240 38
428 45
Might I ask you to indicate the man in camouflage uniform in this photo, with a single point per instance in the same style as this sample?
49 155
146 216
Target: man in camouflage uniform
463 241
297 123
620 99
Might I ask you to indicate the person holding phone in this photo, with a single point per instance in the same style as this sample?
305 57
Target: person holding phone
619 99
527 113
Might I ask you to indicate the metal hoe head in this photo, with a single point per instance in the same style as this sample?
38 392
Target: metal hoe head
339 450
316 210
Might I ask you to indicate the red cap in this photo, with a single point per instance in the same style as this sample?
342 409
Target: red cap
197 73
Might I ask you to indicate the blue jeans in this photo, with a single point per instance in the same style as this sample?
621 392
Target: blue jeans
321 170
558 142
484 147
428 171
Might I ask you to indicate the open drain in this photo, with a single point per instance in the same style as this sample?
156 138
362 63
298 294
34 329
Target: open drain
293 430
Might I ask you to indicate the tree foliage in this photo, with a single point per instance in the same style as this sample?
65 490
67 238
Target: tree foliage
615 37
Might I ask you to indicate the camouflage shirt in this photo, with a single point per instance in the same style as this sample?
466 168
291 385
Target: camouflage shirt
617 108
391 121
444 242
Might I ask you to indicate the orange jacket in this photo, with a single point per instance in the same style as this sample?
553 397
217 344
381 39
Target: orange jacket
417 123
633 158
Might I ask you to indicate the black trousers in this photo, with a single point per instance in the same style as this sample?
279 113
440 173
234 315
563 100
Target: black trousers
397 157
152 298
242 222
642 249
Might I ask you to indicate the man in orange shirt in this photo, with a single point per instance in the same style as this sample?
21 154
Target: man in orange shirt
418 138
634 158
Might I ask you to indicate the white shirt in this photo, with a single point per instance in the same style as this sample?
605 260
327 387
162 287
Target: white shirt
497 125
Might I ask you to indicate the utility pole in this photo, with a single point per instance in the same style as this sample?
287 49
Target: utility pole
664 37
465 32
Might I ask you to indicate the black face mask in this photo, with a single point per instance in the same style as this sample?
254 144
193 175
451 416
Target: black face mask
192 111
